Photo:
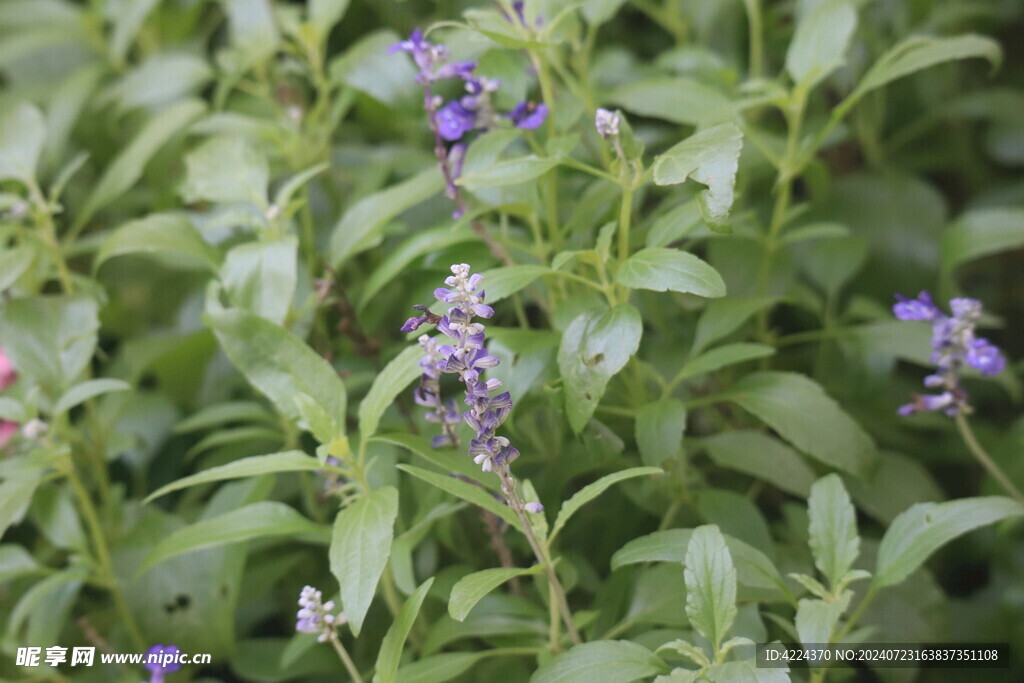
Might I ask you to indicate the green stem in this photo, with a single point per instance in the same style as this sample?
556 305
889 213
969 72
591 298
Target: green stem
508 487
983 457
99 541
789 170
345 659
755 32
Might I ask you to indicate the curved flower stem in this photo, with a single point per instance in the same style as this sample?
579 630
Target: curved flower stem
345 659
967 434
508 487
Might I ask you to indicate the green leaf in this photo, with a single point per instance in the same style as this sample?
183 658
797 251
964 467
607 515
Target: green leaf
753 568
389 655
443 667
280 365
447 459
600 11
360 548
745 672
170 237
917 53
661 269
473 494
14 262
49 338
288 461
389 383
222 413
723 356
803 414
261 277
324 14
470 589
126 168
369 215
418 244
127 22
724 316
258 520
833 528
594 347
507 280
678 223
22 136
508 172
603 661
819 45
710 584
679 100
710 157
85 390
159 80
659 430
15 494
15 561
980 233
226 170
368 68
926 527
592 491
254 35
816 619
761 456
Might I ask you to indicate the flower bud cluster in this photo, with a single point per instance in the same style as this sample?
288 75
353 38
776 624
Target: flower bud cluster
316 616
954 345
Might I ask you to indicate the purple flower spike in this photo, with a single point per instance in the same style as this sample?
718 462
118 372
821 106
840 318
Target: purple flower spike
528 115
467 357
954 345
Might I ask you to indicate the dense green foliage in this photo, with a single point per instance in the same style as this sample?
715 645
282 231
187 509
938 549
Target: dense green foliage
216 215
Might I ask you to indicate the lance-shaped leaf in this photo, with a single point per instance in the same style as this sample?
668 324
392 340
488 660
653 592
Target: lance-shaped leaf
710 157
710 584
926 527
833 528
392 380
22 136
360 548
602 661
820 42
470 589
169 237
280 365
390 654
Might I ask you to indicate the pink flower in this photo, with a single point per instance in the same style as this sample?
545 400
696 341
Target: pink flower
7 373
7 431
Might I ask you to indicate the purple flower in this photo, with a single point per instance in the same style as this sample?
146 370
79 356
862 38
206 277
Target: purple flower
921 308
528 115
607 123
316 616
985 357
954 345
454 121
162 660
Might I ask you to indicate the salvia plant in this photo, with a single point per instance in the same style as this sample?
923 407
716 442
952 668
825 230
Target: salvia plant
546 341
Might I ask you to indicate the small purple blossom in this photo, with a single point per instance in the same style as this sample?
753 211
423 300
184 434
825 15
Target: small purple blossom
954 345
162 660
534 508
607 123
454 121
528 115
316 616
